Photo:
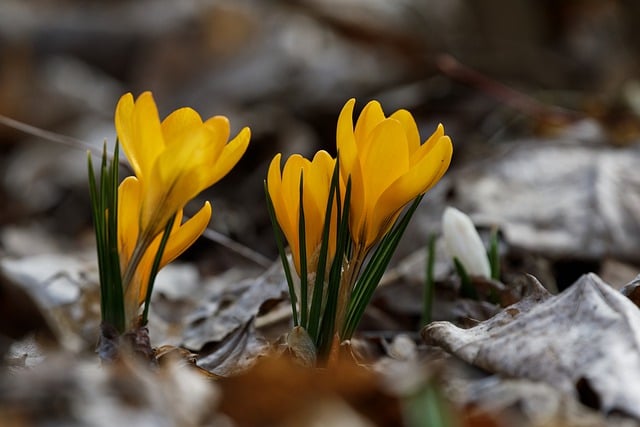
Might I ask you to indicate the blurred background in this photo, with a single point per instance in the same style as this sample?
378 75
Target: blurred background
541 99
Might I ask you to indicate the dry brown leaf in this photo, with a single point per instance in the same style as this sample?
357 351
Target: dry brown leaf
584 341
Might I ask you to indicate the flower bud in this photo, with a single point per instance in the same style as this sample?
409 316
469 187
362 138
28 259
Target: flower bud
463 242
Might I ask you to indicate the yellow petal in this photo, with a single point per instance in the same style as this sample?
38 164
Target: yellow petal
220 125
124 130
370 117
416 181
410 128
186 234
428 144
385 159
285 207
444 165
345 140
179 122
181 238
147 140
357 208
129 200
229 157
317 180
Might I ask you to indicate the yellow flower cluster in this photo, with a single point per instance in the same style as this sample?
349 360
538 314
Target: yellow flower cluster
388 167
284 189
381 159
173 161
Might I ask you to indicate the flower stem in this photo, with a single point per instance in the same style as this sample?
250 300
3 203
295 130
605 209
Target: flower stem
346 286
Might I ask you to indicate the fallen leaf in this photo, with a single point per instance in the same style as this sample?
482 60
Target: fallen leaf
584 341
233 308
235 353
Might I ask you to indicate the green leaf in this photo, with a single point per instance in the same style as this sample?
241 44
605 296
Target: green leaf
155 267
318 307
277 231
466 288
302 240
373 271
328 326
427 408
104 209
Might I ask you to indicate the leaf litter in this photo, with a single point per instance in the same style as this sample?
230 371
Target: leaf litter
584 342
560 197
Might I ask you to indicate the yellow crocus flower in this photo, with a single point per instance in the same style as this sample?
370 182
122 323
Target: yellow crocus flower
284 190
182 236
175 159
388 167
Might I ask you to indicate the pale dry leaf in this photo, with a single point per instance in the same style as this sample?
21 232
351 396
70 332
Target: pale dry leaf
233 308
237 352
585 341
559 197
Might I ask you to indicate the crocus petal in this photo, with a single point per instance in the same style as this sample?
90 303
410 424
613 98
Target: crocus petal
274 188
124 129
410 128
416 181
179 122
316 195
445 141
187 234
177 178
285 203
181 238
220 125
147 140
370 117
428 144
384 158
284 190
129 200
345 140
229 156
387 165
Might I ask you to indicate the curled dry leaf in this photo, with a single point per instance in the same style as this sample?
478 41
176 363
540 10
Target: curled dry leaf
235 353
584 341
233 308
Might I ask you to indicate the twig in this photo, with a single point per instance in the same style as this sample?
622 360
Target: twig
68 141
455 70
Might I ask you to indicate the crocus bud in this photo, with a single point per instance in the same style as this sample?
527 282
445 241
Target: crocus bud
463 242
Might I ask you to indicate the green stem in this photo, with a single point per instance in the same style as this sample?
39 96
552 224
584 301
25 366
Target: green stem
156 267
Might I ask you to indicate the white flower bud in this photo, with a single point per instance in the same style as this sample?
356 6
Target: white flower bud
463 242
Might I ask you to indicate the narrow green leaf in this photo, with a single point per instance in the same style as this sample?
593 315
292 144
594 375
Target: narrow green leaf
317 299
104 207
427 408
466 288
277 231
302 240
114 256
316 312
328 326
373 271
155 267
